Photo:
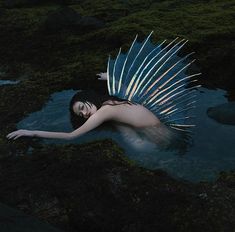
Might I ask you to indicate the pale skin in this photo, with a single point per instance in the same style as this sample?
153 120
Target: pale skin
132 115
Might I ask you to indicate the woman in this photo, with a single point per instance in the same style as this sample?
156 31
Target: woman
145 91
115 109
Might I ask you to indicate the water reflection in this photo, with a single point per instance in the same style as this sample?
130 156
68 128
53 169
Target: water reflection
8 82
210 150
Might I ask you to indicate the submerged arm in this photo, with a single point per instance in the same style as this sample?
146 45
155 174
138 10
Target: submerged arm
103 114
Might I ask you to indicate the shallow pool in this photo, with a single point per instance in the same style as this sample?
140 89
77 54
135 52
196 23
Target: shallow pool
210 150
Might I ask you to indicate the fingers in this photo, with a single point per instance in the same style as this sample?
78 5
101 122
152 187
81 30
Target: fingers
17 137
8 136
14 135
100 75
11 136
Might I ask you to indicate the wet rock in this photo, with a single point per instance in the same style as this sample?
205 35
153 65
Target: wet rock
12 220
67 18
26 3
89 23
217 63
19 3
62 18
227 178
224 113
93 187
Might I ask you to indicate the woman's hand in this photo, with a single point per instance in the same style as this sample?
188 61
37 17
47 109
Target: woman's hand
103 76
16 134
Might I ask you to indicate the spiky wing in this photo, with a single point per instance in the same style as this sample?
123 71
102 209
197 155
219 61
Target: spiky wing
154 76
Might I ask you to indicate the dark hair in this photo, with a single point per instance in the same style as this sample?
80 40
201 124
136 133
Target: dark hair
90 96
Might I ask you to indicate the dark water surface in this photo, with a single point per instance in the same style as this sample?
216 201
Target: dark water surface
8 82
211 148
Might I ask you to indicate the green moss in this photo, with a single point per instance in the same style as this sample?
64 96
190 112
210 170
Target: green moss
187 20
194 21
26 19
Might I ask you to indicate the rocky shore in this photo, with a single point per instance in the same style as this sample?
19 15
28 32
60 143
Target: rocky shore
55 45
93 187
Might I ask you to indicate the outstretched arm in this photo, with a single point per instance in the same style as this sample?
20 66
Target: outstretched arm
102 115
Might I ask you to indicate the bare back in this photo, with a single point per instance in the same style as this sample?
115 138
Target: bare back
134 115
129 114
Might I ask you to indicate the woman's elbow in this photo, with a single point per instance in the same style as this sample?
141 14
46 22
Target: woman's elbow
71 136
74 134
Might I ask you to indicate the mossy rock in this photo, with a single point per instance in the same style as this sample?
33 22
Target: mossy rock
91 186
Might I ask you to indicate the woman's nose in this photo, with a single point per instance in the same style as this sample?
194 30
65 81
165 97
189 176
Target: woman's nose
84 114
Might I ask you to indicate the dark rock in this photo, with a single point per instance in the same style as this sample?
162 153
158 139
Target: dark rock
19 3
63 18
31 3
93 187
224 113
12 220
66 18
227 178
90 23
217 63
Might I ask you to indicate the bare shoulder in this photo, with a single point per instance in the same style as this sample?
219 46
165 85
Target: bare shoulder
107 112
134 115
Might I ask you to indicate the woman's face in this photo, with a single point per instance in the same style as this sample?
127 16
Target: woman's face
84 110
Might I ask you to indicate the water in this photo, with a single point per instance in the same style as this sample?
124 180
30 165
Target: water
8 82
211 148
3 76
